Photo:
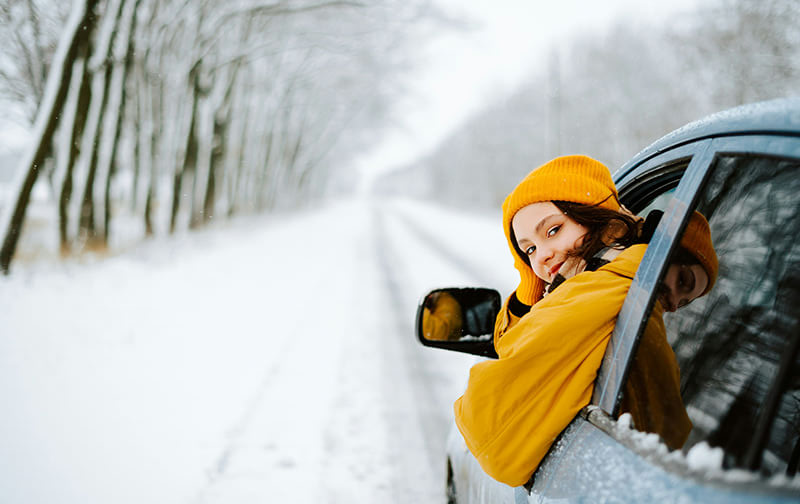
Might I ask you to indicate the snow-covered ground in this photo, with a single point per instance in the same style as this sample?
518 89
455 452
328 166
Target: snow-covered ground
272 360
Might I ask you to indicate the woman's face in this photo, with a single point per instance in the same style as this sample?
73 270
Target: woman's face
548 237
682 285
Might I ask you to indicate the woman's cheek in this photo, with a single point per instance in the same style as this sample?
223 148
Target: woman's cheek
572 267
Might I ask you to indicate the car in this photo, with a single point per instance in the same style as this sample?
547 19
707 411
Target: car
737 347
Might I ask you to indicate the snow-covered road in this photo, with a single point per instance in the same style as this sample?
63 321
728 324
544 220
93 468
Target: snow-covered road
270 361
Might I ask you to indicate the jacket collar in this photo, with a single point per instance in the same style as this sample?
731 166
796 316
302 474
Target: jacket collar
623 262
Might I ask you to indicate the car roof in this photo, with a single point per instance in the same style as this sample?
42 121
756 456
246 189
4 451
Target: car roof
780 116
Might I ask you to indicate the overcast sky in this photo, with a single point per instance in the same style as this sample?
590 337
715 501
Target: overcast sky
465 71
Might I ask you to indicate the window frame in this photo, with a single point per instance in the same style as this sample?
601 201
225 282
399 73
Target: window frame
638 303
630 323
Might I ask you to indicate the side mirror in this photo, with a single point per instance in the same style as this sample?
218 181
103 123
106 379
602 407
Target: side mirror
460 319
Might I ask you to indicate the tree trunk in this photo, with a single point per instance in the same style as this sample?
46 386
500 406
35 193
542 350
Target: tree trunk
217 155
74 120
94 141
146 142
189 157
79 28
204 134
122 64
235 162
220 118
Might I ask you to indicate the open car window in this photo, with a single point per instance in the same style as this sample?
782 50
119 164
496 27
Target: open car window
654 190
724 369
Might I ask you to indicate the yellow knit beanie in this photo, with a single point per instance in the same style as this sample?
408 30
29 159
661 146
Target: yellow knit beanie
696 240
578 179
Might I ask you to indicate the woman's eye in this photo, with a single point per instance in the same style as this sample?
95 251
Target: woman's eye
530 250
552 231
685 280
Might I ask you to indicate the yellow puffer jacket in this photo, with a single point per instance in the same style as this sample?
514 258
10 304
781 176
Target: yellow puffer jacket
516 406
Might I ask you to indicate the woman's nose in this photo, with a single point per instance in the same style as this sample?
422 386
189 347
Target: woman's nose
674 302
543 254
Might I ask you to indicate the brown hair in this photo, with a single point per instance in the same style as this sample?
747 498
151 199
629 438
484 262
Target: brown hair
606 228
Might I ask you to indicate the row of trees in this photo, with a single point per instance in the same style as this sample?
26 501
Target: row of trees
610 94
182 111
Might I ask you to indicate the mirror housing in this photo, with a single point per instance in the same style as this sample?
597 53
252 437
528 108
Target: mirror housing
460 319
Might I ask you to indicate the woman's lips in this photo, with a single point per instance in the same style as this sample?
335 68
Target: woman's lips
555 269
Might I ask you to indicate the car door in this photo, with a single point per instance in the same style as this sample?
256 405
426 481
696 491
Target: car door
736 347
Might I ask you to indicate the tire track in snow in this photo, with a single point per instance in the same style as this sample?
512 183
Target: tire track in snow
408 369
246 419
275 449
438 247
418 364
380 435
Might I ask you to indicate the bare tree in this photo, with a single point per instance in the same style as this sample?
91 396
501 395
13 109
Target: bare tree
29 31
79 28
206 109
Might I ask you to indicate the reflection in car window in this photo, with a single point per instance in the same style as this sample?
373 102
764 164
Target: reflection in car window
660 203
654 190
737 346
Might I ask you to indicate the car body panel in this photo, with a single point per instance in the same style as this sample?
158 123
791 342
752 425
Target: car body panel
579 472
472 484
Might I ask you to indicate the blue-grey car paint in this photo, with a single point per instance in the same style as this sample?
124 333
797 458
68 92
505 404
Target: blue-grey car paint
584 474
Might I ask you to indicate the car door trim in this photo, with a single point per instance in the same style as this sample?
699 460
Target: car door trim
630 323
616 362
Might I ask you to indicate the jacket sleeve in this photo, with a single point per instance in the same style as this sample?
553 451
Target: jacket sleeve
515 407
513 309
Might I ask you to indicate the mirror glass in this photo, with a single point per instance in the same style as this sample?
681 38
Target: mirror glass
459 319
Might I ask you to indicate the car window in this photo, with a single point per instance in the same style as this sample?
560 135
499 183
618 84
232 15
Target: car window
659 203
653 190
724 369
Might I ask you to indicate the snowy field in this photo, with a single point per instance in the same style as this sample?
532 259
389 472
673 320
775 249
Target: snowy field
272 360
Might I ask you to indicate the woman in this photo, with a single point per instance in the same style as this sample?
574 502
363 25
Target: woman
574 246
